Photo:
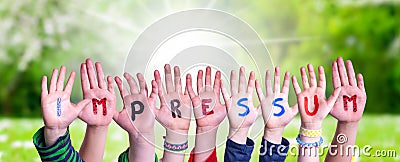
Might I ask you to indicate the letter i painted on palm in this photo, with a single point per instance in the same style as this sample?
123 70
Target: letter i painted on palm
58 106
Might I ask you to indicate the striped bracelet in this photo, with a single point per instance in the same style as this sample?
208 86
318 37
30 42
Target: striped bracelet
313 144
175 147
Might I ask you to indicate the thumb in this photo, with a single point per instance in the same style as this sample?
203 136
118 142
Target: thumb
82 104
332 99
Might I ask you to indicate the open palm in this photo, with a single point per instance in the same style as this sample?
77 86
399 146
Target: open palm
174 112
275 107
136 117
350 105
98 113
313 105
213 112
58 111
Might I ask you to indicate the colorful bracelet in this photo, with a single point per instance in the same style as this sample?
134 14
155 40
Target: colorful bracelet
314 144
175 147
310 133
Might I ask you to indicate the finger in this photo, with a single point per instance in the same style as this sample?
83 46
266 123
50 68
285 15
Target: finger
142 83
168 78
177 81
242 80
361 82
84 78
122 90
311 73
352 75
199 81
100 75
44 86
133 87
268 84
70 83
342 72
286 82
217 84
91 73
250 84
296 86
233 83
335 75
304 78
61 77
225 94
208 78
277 80
259 91
53 81
189 86
295 109
110 84
332 99
322 79
153 95
160 87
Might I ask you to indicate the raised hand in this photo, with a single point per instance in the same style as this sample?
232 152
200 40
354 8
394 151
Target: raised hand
350 105
97 115
137 117
275 107
174 112
102 109
312 104
240 108
208 111
207 107
57 110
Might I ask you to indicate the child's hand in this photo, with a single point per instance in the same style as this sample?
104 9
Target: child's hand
174 113
313 105
240 108
350 105
275 107
58 112
137 117
207 107
101 111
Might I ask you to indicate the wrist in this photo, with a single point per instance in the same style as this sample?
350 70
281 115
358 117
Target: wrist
312 126
273 135
348 124
238 135
52 134
176 136
139 138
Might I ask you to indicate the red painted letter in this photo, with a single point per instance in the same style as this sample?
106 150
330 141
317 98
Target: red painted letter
204 106
347 99
316 104
96 102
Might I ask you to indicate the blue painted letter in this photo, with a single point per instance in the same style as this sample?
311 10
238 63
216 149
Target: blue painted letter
245 106
280 106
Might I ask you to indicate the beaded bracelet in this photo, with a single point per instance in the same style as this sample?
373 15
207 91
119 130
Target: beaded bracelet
175 147
310 133
314 144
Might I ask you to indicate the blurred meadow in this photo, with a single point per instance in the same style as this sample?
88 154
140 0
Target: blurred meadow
37 36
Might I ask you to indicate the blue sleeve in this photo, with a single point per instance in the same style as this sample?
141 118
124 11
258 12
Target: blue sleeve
238 152
273 152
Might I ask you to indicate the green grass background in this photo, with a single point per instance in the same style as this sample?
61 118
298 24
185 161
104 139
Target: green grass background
379 131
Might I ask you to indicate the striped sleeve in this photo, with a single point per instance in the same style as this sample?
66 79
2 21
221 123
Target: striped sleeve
62 150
